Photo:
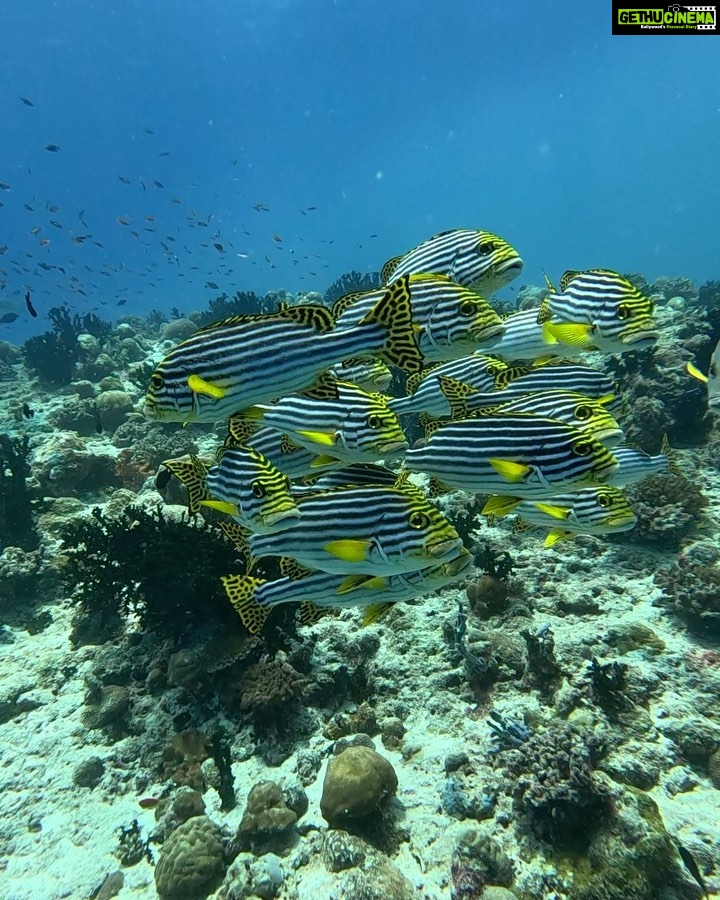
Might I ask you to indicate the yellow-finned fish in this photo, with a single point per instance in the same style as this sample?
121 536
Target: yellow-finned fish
318 592
592 510
337 420
450 320
520 455
479 260
371 530
243 485
712 380
598 309
245 360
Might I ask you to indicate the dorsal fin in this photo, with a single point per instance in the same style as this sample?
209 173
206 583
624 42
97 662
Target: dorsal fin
389 267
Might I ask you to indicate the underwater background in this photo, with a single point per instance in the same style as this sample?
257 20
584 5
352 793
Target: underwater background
544 725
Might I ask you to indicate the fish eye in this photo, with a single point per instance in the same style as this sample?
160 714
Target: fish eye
419 521
486 247
582 448
494 370
624 311
157 381
258 489
604 501
468 308
375 422
583 413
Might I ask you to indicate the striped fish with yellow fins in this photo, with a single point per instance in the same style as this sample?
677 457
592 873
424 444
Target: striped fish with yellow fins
592 510
584 413
371 530
516 454
244 484
450 320
598 309
238 362
317 592
336 419
480 260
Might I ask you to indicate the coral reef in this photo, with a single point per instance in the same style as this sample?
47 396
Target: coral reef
242 303
552 779
669 510
691 590
192 861
357 781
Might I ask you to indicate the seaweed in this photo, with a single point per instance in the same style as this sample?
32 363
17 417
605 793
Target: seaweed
17 525
349 282
163 573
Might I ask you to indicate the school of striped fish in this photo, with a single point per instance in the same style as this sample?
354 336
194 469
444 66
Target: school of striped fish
316 466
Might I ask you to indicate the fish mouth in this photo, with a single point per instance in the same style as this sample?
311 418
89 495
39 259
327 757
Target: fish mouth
512 267
150 410
445 548
603 473
280 516
610 437
382 382
622 522
489 335
390 447
453 568
644 338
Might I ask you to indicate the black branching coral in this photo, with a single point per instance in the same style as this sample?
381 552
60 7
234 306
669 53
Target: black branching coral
164 572
52 356
350 282
17 527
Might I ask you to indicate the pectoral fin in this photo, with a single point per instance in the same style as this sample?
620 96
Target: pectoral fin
199 386
375 612
574 334
557 512
221 506
695 372
557 534
499 506
350 551
324 438
509 469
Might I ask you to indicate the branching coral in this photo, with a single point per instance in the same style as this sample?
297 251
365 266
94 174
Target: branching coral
244 303
52 356
17 527
163 571
349 282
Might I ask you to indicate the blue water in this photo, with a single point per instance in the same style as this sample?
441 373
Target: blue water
395 119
